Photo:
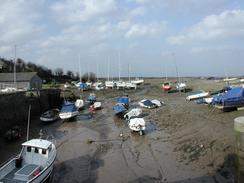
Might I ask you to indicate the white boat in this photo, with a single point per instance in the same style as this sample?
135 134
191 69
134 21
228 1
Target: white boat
34 164
120 85
109 84
79 103
50 115
137 124
145 103
181 86
68 111
9 89
157 102
208 100
130 85
132 113
198 95
137 81
95 106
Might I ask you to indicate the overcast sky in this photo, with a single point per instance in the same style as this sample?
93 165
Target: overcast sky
201 37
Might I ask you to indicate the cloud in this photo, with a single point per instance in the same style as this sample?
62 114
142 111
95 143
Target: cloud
227 25
17 21
149 29
73 11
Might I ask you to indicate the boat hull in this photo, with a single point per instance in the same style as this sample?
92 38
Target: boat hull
68 115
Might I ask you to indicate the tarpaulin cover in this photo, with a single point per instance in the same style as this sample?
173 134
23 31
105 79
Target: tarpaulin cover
123 100
119 108
233 95
68 107
83 86
148 103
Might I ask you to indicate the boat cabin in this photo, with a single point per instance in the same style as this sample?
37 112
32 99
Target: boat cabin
35 158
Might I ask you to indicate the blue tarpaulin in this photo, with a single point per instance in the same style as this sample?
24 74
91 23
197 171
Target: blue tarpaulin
123 100
148 103
68 107
233 97
83 86
119 108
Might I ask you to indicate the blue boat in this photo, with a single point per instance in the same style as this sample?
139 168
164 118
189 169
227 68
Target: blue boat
233 98
119 109
68 110
124 101
83 86
92 98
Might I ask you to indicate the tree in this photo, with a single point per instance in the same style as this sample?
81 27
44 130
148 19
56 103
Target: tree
70 74
59 72
89 77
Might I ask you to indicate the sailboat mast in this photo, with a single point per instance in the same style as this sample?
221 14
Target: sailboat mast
79 67
176 68
119 66
28 123
108 67
15 66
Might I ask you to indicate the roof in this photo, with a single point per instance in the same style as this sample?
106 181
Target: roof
39 143
20 76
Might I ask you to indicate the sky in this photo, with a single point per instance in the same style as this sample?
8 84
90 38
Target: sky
151 37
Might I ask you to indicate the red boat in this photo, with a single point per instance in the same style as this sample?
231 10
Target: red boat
166 86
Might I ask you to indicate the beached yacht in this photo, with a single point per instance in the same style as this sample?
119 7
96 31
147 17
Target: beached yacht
34 164
68 110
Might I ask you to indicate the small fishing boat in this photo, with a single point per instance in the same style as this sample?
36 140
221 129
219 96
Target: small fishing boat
157 102
137 125
197 95
50 115
68 110
166 86
34 164
138 81
132 113
95 106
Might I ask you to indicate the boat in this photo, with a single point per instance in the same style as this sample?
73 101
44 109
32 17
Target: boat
138 81
157 102
130 85
79 103
34 164
181 86
233 98
92 98
95 106
197 95
137 125
109 84
119 109
166 86
50 115
124 100
147 104
68 110
132 113
120 84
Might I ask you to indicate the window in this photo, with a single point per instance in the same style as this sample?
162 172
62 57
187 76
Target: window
50 148
44 151
28 149
36 150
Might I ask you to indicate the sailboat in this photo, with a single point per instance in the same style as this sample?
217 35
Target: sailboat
167 86
129 84
34 163
108 83
180 86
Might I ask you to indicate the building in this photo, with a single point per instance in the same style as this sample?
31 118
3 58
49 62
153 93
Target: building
24 80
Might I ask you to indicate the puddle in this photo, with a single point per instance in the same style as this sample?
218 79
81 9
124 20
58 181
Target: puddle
151 127
82 117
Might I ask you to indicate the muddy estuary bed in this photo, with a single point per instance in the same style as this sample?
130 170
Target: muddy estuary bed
184 142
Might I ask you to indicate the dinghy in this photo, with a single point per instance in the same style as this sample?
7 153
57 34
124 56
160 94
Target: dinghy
79 103
119 109
147 104
95 106
133 113
137 125
92 98
50 115
34 164
166 86
68 111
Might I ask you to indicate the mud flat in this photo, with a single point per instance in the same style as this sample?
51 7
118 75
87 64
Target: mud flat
184 142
